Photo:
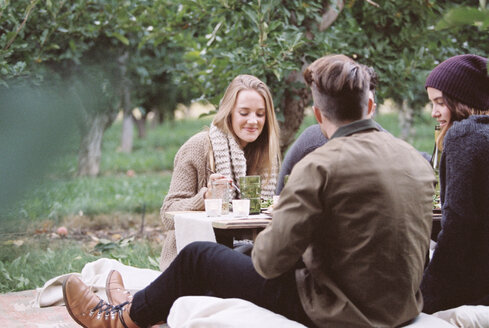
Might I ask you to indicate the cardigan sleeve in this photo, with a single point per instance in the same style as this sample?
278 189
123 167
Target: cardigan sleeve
189 179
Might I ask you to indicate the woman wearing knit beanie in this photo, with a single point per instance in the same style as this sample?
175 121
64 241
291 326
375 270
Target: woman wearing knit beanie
243 139
458 273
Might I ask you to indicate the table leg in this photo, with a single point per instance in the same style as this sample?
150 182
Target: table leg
224 237
227 236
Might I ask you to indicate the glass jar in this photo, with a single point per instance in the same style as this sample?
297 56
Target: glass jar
221 189
250 186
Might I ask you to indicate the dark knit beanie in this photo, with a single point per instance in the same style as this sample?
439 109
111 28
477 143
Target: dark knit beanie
464 78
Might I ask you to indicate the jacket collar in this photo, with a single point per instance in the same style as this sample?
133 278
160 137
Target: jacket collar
354 127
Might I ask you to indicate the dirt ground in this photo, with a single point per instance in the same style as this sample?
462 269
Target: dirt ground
90 230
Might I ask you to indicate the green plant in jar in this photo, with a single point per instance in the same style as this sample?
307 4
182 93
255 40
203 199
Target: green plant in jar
251 189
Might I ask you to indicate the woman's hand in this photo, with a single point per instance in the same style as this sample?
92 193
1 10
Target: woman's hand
212 178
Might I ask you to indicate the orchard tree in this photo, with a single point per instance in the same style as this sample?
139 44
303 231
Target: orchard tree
272 40
276 39
391 37
100 49
461 28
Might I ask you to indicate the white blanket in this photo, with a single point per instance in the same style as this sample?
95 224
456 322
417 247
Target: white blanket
94 274
213 312
466 316
205 311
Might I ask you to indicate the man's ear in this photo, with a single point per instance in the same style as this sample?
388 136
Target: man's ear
317 114
371 107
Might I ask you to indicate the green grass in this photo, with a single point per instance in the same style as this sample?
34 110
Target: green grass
63 195
152 159
30 265
29 259
105 194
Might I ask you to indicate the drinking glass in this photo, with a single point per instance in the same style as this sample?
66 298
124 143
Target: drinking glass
221 189
213 207
241 207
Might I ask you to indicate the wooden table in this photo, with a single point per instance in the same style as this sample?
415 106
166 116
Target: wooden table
227 229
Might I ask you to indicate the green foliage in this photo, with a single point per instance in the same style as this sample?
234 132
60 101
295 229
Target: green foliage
461 29
263 38
460 16
393 39
66 37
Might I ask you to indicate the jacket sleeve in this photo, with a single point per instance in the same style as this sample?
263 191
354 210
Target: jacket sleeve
280 246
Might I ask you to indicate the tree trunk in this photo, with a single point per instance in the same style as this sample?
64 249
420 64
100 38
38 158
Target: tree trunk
141 125
127 122
406 119
90 152
296 99
293 104
127 133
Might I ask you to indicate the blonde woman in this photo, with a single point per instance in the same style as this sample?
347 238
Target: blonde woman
243 139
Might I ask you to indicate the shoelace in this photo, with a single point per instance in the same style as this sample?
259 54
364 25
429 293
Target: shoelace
110 310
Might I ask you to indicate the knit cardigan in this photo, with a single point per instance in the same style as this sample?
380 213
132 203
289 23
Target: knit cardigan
458 273
192 166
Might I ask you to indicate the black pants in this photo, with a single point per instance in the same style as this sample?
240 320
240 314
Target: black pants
205 268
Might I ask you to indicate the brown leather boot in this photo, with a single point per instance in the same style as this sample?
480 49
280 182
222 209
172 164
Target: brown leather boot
114 288
88 310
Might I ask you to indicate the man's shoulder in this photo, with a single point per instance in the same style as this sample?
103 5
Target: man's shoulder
312 132
311 138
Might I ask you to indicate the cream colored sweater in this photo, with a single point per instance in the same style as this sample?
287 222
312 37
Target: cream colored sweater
189 185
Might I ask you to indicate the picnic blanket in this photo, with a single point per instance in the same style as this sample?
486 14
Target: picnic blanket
18 310
44 307
94 274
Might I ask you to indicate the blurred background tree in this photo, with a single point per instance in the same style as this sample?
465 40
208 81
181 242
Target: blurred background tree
147 56
102 51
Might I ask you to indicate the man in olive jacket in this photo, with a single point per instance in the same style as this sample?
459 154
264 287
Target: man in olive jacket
347 242
354 219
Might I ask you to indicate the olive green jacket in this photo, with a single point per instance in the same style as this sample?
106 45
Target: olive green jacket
357 212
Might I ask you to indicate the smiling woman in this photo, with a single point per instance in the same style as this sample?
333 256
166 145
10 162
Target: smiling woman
248 116
243 139
458 271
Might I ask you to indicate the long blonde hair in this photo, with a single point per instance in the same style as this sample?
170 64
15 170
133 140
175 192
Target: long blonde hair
263 154
458 112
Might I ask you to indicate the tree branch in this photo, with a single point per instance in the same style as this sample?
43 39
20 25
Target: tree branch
330 15
373 3
21 26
